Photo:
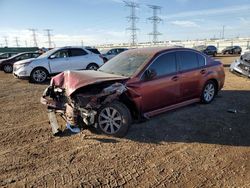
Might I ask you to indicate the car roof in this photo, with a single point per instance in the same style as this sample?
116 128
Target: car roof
155 50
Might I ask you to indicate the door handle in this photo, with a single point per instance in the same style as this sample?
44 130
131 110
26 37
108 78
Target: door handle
175 78
203 71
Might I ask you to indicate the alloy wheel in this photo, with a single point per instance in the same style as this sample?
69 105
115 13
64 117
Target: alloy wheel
110 120
209 92
39 75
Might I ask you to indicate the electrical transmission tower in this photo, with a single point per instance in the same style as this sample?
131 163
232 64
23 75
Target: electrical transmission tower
49 37
17 41
133 19
6 40
155 19
34 36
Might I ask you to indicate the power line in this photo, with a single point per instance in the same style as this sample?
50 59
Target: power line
133 19
34 36
49 37
6 40
155 19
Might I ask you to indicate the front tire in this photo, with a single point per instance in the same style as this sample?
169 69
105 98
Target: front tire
39 75
208 93
8 68
92 66
114 119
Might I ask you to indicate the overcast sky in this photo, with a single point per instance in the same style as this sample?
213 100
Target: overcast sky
104 21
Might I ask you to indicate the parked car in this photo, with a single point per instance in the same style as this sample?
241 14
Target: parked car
107 55
242 65
55 61
232 50
94 50
208 50
7 55
7 64
136 84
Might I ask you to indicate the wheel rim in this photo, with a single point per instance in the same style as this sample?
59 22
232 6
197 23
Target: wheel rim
39 75
110 120
92 67
209 92
8 68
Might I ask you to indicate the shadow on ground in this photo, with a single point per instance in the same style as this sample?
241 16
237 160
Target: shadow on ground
198 123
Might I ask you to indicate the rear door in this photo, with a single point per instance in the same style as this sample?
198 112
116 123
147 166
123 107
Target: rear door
79 59
59 61
192 74
164 89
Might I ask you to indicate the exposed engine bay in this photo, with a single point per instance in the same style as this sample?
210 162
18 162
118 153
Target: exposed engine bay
242 66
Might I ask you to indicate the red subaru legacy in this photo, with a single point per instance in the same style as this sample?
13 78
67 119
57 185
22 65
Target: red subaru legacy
135 85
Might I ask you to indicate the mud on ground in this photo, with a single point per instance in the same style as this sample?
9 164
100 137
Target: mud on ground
195 146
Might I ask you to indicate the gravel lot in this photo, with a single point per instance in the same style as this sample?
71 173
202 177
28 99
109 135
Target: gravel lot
195 146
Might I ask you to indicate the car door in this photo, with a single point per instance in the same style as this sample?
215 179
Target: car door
59 61
163 89
192 73
79 59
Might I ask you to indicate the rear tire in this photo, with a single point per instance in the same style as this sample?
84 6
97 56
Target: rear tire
8 68
92 66
114 119
39 75
209 91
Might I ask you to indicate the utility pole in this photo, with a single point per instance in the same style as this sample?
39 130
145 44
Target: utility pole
17 41
223 32
49 37
6 40
133 19
34 36
82 43
155 19
26 44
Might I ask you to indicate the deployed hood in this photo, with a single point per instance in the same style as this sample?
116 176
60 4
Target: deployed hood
24 61
73 80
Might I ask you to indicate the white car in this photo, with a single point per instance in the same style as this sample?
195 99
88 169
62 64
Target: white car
55 61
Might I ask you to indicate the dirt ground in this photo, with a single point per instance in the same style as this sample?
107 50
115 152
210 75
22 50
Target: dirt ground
195 146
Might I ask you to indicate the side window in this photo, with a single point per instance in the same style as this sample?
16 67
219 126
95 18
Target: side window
202 60
77 52
164 64
187 60
35 55
61 54
22 57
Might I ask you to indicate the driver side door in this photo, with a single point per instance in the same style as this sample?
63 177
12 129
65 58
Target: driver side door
163 89
59 61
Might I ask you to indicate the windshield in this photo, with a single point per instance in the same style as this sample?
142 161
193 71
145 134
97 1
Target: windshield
48 53
125 64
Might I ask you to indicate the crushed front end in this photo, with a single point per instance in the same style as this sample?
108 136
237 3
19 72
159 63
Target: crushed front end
82 105
241 67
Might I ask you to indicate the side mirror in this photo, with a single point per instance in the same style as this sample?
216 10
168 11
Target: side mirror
150 74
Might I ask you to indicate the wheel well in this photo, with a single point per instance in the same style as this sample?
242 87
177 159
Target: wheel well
92 63
131 106
40 68
216 84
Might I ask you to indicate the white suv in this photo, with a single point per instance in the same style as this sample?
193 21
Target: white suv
55 61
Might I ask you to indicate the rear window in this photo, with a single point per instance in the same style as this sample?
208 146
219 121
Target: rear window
201 60
77 52
93 50
187 60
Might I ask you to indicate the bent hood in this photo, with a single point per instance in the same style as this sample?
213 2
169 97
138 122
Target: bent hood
73 80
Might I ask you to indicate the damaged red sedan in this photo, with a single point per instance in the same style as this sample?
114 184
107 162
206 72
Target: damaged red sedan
134 85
